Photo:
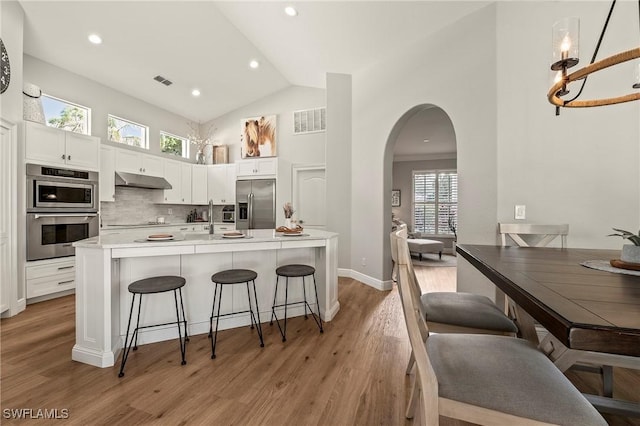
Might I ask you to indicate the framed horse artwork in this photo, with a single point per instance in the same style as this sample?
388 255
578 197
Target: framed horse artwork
259 136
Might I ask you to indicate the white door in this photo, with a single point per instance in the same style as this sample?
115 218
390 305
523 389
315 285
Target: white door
309 197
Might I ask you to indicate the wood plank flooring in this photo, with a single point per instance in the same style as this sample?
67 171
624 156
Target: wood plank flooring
352 374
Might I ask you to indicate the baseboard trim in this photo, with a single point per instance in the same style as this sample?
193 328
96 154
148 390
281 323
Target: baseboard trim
365 279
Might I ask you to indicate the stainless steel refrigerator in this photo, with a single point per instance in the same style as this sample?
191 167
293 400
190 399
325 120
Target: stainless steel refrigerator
256 204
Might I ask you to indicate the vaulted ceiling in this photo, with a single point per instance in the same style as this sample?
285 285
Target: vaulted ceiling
208 45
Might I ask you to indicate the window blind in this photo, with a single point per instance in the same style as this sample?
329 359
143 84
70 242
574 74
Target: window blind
435 201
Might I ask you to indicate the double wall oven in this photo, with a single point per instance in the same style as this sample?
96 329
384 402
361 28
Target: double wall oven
62 207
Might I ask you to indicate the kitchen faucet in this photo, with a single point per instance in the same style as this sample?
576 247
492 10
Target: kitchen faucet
210 217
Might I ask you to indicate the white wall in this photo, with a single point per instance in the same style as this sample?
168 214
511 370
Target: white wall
454 70
581 167
339 163
103 100
291 149
489 73
11 33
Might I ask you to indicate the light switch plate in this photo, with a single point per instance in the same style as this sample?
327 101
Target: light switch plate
520 212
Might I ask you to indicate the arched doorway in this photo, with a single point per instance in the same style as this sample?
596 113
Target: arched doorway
422 139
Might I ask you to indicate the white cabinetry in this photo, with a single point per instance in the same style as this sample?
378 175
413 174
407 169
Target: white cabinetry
199 184
51 146
139 163
107 173
178 174
221 183
221 228
50 276
257 168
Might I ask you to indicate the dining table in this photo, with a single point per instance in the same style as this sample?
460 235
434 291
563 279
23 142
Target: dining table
589 314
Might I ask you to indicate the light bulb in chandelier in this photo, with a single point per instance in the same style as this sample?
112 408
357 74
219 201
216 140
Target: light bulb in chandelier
566 46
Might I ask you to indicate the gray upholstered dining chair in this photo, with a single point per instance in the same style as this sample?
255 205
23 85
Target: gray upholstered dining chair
489 380
453 312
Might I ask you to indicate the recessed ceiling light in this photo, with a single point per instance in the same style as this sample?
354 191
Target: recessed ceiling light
254 64
291 11
95 39
426 141
195 92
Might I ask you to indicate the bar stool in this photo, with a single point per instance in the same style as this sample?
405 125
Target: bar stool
233 276
152 285
292 271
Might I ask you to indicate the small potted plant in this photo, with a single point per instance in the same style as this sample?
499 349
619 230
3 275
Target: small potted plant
288 214
630 252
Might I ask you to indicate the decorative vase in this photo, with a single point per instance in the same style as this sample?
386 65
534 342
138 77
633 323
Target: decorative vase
288 223
200 157
630 253
208 154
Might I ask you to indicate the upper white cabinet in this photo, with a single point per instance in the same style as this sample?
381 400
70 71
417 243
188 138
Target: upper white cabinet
51 146
257 168
178 174
139 163
107 173
199 184
221 183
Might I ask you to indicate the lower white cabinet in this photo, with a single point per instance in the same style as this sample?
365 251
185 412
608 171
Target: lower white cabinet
50 276
218 229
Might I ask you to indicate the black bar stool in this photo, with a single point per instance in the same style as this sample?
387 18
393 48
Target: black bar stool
233 276
152 285
293 271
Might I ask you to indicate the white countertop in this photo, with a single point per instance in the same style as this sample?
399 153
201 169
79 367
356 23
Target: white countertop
160 225
137 239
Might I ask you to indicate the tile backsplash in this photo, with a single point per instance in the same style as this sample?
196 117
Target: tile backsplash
136 206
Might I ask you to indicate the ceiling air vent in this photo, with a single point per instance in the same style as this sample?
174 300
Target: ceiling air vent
161 79
310 121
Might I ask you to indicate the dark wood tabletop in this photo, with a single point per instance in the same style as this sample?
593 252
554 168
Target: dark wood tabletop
584 308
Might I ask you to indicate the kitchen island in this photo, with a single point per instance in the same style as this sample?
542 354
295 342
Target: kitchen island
107 264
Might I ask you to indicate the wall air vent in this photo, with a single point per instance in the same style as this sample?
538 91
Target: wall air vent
161 79
310 121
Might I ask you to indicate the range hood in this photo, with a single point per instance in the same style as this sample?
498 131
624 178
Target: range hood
141 181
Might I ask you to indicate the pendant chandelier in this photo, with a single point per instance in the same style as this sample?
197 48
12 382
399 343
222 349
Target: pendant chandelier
566 35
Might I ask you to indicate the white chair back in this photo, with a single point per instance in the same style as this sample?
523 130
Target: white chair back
545 233
427 383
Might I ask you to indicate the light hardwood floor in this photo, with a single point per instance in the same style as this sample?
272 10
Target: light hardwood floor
353 374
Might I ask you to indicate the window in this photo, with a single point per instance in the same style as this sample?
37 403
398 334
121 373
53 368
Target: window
66 115
435 201
172 144
127 132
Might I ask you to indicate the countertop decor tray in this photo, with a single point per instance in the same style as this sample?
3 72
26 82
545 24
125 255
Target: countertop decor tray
160 237
617 263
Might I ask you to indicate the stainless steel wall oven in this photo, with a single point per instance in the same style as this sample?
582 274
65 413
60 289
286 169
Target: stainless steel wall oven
62 207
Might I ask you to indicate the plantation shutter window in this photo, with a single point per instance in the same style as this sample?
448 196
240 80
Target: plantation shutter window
435 201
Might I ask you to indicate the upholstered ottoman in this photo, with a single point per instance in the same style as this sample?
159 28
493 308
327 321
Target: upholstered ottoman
420 246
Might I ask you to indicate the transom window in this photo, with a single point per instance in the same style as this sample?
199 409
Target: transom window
66 115
127 132
435 201
172 144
